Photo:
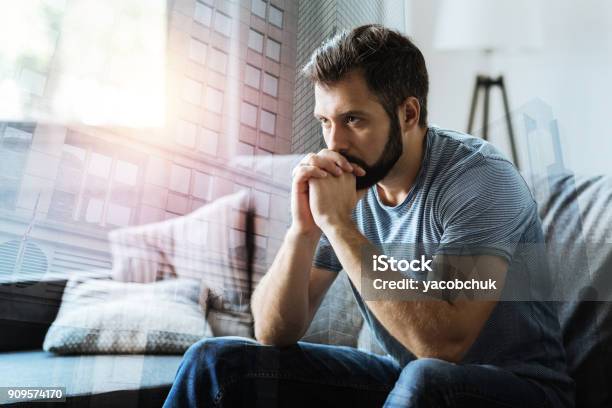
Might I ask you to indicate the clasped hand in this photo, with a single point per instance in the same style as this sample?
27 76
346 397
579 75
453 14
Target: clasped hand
324 191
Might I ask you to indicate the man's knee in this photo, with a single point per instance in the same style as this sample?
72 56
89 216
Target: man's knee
211 353
424 380
427 372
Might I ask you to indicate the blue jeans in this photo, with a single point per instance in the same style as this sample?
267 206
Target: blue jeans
237 372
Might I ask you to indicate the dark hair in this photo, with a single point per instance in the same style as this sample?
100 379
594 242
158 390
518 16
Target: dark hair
393 66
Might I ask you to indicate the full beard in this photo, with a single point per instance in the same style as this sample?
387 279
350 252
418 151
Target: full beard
390 155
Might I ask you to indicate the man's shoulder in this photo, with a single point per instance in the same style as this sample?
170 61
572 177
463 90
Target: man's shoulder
456 156
458 148
463 168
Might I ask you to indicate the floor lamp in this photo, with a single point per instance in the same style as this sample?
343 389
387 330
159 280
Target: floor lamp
485 83
490 27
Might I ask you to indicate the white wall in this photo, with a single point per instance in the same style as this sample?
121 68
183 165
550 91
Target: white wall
572 74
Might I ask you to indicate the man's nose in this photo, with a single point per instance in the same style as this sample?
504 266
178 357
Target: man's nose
337 139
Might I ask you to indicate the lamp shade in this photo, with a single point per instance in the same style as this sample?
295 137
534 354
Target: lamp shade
489 25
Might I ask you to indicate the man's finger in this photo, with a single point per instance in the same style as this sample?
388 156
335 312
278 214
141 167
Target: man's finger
325 163
358 170
337 158
307 158
303 162
303 172
332 162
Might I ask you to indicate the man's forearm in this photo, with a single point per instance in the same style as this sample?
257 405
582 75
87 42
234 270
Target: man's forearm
426 328
280 305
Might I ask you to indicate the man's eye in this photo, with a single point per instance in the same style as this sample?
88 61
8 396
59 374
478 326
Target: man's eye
352 119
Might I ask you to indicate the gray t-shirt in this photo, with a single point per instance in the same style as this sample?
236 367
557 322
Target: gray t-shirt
468 193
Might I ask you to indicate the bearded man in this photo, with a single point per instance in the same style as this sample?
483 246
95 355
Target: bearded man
385 177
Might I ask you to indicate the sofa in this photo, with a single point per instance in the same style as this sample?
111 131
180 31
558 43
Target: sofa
28 310
577 222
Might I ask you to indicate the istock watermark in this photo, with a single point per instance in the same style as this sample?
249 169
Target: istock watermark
426 286
495 271
382 263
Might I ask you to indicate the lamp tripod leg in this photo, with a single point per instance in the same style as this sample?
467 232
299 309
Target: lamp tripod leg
473 106
485 115
509 124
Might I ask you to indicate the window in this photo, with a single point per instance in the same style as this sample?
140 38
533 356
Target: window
68 182
267 122
94 191
180 196
223 24
261 202
248 114
118 215
157 171
218 60
201 185
180 179
252 76
214 100
99 165
126 173
15 141
203 14
93 213
245 149
273 49
62 206
96 183
177 204
265 165
197 51
209 140
255 41
74 156
17 136
270 84
185 133
276 16
258 7
124 198
192 91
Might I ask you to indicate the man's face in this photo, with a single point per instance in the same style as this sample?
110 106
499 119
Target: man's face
356 125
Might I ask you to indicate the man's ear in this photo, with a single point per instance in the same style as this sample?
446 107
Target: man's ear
410 110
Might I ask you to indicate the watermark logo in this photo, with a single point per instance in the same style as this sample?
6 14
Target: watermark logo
382 263
422 272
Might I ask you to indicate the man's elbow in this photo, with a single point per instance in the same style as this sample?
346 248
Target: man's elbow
269 339
278 338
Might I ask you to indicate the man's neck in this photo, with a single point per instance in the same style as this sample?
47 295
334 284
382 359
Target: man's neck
394 188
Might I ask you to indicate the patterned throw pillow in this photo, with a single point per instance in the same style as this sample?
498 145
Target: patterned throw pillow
110 317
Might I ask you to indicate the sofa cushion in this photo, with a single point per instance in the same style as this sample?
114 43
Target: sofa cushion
101 380
106 316
577 224
200 243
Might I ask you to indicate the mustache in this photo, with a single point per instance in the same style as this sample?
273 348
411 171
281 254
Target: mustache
362 181
356 160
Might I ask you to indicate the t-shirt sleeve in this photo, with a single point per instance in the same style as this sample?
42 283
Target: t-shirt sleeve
485 210
325 257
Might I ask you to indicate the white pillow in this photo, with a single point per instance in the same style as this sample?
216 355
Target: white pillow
206 244
105 316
